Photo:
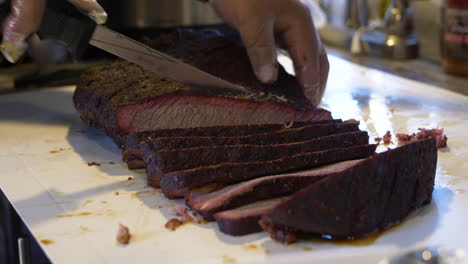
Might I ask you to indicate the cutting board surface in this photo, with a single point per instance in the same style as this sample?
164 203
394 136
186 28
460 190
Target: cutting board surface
74 209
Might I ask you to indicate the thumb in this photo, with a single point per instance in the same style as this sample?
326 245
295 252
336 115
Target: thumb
92 8
259 41
23 20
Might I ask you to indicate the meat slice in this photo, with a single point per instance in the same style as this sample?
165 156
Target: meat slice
132 140
158 162
244 220
373 195
177 184
121 97
296 134
262 189
220 135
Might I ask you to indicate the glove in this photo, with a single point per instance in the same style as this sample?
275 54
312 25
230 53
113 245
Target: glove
261 23
25 18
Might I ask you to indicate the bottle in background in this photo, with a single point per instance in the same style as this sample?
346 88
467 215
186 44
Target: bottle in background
454 37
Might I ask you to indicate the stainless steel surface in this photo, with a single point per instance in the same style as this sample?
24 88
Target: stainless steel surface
23 251
143 14
401 42
344 18
160 63
356 14
395 38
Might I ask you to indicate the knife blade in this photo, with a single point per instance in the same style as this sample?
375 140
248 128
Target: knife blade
158 62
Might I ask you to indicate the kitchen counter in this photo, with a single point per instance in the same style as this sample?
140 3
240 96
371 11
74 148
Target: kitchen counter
423 70
73 208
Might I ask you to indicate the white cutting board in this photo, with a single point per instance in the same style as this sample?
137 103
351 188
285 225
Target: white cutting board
73 210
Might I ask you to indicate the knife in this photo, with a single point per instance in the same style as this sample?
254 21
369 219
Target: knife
66 30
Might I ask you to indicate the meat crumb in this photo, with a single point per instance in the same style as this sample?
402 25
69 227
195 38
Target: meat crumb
184 215
173 224
387 138
123 235
188 215
352 121
117 193
437 133
279 234
93 164
130 178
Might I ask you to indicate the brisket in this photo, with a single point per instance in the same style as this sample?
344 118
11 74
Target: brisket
121 97
373 195
261 189
227 135
177 184
158 162
244 220
132 140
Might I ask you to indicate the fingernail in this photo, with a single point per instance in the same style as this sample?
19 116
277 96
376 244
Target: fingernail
310 82
99 15
268 73
12 51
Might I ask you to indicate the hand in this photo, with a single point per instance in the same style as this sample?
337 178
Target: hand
25 18
261 22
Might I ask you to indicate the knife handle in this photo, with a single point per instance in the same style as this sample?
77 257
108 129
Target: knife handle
62 23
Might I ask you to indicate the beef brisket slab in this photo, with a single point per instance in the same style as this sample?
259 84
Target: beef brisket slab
121 97
375 194
177 184
164 139
207 204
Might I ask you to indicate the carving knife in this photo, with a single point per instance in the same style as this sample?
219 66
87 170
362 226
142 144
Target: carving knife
66 30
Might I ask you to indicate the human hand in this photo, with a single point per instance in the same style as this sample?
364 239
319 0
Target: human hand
261 23
25 18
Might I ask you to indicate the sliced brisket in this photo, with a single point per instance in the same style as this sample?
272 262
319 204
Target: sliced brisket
121 97
244 220
262 189
177 184
164 161
228 135
132 140
373 195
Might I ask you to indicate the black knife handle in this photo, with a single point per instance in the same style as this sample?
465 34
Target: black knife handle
64 23
4 10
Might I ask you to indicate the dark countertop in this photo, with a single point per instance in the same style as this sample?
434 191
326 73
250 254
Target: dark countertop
423 70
